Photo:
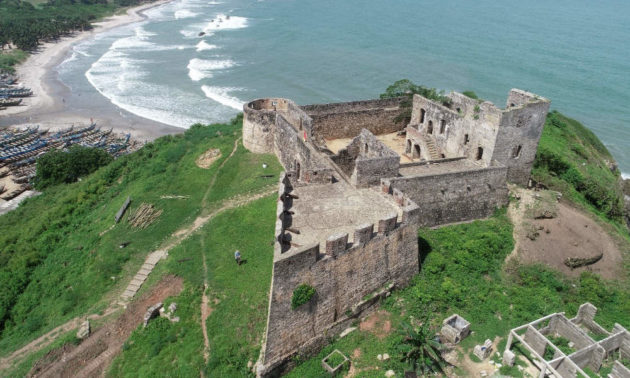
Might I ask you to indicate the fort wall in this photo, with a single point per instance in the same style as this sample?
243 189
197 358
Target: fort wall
298 156
366 160
347 119
453 196
375 259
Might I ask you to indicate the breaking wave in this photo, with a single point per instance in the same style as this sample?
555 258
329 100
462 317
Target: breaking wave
201 69
223 22
221 96
203 45
184 13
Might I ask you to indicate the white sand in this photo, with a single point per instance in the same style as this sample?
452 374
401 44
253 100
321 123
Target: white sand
32 74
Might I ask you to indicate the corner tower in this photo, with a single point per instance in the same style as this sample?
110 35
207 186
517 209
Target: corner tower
519 132
259 118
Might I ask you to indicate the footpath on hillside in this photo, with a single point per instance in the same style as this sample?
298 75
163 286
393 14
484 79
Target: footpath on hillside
93 356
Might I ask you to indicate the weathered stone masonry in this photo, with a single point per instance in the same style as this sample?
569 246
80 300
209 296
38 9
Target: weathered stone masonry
347 221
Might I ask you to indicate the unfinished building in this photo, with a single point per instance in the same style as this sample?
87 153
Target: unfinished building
582 350
357 186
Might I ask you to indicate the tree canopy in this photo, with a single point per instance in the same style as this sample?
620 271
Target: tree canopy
58 166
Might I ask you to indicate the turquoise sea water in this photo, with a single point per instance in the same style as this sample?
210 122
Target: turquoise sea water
575 52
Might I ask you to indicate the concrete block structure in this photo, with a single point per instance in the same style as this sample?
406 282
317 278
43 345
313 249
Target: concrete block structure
358 184
455 329
588 353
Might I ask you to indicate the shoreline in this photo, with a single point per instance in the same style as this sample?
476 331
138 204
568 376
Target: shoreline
46 106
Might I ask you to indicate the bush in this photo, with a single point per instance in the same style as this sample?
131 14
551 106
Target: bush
58 167
470 94
301 295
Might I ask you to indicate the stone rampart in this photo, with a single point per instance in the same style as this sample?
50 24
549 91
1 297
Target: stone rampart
346 119
453 197
298 156
376 258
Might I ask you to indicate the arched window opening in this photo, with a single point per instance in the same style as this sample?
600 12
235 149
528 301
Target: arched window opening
430 128
422 114
416 152
366 148
479 153
442 126
408 149
466 139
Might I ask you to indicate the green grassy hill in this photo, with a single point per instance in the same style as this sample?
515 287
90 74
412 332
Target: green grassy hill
59 257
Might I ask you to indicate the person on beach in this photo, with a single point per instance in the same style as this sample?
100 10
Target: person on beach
237 257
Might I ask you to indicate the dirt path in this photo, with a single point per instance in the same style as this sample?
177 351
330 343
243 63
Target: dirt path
93 356
46 339
205 307
204 201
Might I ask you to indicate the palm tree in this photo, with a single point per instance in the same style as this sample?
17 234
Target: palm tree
421 350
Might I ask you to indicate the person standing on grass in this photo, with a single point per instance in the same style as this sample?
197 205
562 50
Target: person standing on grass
237 257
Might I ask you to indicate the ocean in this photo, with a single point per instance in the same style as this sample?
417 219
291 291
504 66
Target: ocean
200 60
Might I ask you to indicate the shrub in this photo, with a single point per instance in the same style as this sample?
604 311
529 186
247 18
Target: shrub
57 166
470 94
301 295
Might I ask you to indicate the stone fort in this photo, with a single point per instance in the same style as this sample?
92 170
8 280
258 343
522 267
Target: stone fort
358 184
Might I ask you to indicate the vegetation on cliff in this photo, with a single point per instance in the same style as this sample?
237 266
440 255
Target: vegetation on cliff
572 160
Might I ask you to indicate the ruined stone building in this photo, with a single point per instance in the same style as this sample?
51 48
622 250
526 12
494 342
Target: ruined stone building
589 345
358 185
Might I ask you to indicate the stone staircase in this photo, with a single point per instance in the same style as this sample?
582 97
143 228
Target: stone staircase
142 274
431 148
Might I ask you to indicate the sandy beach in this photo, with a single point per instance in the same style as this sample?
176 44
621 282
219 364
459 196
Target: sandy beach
47 108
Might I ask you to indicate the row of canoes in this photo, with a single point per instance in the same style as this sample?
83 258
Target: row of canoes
16 92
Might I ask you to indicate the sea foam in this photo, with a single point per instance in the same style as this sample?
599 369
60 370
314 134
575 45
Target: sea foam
184 13
201 69
203 45
222 22
221 96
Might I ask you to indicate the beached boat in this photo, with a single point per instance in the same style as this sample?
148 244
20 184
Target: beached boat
16 92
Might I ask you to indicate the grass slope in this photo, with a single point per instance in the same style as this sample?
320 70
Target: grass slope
56 265
238 298
572 160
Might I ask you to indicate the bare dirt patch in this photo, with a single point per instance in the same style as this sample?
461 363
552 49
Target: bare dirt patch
570 233
206 159
93 356
378 324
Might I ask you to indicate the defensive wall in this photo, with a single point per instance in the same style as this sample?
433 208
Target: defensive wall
347 119
366 160
467 192
350 274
